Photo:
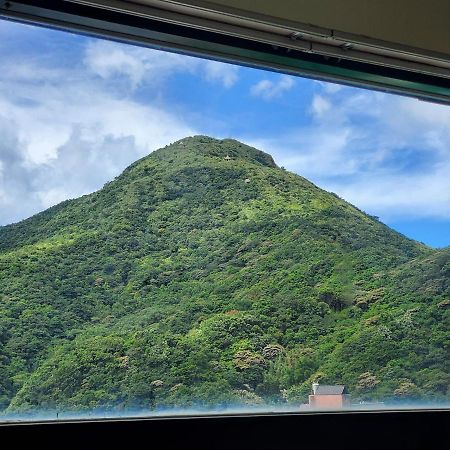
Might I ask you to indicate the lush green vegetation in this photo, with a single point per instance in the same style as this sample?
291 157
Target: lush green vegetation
205 274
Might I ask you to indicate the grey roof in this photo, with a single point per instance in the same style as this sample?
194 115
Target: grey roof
324 389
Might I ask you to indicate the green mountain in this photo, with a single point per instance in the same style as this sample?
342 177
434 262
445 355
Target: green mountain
205 274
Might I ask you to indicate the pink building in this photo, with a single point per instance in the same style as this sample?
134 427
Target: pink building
329 396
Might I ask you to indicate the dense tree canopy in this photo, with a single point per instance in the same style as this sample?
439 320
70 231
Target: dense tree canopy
205 274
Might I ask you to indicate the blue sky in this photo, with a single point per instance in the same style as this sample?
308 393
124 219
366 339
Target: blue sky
75 111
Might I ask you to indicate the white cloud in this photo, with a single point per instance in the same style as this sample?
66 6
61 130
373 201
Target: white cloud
66 135
388 155
330 88
226 74
57 109
143 65
97 160
268 90
320 105
393 197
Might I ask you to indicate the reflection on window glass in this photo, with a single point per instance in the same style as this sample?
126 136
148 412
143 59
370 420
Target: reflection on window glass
179 235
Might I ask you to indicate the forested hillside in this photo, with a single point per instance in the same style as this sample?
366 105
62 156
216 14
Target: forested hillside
205 274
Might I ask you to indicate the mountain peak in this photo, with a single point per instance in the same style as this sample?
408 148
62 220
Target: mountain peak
205 146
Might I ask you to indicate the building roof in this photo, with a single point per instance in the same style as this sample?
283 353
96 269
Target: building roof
324 389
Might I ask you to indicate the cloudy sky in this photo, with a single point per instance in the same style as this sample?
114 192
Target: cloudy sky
75 111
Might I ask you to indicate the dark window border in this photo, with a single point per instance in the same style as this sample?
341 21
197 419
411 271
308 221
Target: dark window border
362 430
420 429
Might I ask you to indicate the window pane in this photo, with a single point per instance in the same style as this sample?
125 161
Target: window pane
180 235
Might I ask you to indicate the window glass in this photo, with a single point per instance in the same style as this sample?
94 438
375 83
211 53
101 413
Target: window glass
181 235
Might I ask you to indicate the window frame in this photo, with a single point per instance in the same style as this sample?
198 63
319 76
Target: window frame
91 18
343 429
